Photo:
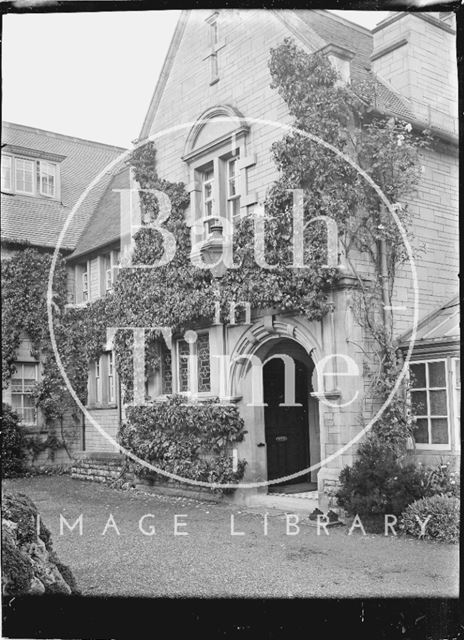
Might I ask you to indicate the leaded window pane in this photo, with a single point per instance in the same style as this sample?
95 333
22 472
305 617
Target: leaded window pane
166 369
204 370
184 352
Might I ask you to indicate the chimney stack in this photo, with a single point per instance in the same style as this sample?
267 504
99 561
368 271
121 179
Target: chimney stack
415 53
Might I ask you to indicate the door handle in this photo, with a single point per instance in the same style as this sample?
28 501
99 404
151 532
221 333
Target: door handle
261 444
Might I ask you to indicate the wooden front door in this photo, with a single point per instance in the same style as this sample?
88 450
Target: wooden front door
287 429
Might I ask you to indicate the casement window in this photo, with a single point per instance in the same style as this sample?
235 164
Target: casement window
220 189
233 196
197 355
108 272
456 375
30 176
47 178
166 370
102 388
111 378
23 382
207 180
24 176
7 173
85 285
98 381
430 403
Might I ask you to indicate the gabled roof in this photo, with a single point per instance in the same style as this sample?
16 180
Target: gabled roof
104 226
314 29
442 325
39 220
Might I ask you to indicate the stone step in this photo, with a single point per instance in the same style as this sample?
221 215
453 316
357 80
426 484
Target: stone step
283 502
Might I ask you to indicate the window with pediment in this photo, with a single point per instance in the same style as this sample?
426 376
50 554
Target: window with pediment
217 155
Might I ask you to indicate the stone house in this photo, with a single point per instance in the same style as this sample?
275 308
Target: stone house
211 113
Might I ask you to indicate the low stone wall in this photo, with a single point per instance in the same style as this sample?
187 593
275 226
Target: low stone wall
103 469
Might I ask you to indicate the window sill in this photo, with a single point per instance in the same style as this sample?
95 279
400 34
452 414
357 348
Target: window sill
431 448
93 407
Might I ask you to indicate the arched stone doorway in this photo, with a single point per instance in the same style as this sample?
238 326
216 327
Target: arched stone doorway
291 432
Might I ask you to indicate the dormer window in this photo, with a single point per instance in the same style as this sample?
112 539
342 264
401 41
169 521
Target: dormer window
30 176
340 58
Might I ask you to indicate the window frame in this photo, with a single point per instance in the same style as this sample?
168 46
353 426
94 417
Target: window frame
23 393
11 169
210 182
38 170
423 446
34 176
111 378
456 393
85 284
232 198
55 178
98 381
193 376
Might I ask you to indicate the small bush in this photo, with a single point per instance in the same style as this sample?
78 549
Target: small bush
440 480
443 514
13 444
377 483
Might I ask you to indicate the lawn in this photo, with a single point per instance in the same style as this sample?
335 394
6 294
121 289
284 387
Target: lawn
209 561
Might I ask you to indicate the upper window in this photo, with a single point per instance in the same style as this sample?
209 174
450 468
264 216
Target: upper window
23 382
220 189
429 396
233 196
24 175
207 192
30 177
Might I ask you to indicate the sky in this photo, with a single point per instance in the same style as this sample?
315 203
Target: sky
96 72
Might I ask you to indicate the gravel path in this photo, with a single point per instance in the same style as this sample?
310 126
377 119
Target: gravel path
209 561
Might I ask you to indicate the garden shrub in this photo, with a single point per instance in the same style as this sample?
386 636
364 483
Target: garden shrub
189 439
443 524
440 480
13 444
378 483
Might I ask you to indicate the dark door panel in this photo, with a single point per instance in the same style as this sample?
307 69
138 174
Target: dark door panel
287 431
